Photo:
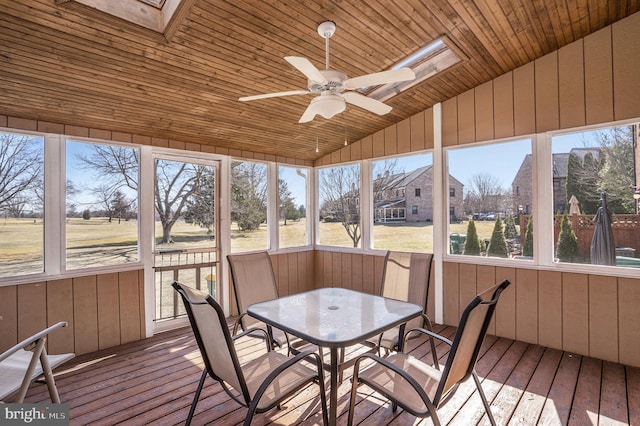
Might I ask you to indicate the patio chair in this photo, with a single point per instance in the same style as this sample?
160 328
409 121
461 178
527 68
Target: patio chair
406 277
254 281
259 384
419 388
25 362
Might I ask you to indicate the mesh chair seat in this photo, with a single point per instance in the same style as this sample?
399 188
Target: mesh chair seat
28 360
257 370
390 382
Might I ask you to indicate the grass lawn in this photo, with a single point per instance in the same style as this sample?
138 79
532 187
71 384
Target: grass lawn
98 241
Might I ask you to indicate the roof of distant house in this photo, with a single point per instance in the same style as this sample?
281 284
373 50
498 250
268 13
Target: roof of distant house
401 180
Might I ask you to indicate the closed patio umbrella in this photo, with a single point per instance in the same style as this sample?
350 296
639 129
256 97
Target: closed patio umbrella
603 249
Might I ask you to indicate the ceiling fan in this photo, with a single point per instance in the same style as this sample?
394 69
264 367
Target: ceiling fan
334 87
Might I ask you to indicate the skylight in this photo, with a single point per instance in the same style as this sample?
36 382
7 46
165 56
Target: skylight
428 61
152 14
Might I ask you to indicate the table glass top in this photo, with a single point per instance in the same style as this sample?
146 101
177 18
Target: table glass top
334 316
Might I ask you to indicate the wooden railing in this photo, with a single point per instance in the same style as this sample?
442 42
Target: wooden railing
195 267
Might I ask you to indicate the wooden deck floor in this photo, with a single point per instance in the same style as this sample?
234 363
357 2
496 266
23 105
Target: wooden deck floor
153 381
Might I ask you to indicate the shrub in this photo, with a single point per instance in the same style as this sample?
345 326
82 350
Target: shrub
567 248
510 230
497 245
472 244
527 247
86 214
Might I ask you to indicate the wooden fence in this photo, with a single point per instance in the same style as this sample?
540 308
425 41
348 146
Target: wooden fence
626 232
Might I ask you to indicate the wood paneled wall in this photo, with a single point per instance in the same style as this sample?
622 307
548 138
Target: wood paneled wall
357 271
410 135
294 272
591 81
586 314
102 311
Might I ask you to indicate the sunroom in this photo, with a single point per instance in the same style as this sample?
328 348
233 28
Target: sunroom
129 161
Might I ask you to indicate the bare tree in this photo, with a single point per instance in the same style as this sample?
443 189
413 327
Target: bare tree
21 167
175 182
385 174
485 194
115 164
16 207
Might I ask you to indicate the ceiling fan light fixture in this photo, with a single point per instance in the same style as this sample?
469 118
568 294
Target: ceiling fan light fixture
328 105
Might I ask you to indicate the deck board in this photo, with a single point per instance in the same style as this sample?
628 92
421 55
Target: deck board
152 381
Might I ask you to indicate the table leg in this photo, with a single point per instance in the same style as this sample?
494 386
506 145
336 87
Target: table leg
333 386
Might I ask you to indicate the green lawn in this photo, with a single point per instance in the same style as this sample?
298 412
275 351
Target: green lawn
98 240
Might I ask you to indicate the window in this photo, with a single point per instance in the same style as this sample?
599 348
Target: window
101 204
339 191
452 192
248 206
152 14
396 186
485 178
185 247
292 195
593 197
21 204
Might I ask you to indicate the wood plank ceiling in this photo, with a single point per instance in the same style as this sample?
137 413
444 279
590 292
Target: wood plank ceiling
64 62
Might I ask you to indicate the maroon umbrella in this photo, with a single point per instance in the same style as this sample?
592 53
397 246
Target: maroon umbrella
603 249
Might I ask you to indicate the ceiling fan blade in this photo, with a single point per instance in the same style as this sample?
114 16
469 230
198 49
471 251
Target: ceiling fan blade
307 68
273 95
308 114
367 103
384 77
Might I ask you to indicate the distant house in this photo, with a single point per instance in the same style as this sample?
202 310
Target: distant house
522 188
407 197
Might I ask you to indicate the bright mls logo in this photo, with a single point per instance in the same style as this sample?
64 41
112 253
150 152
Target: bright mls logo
34 414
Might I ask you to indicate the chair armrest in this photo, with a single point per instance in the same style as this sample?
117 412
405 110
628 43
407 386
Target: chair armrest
253 330
385 363
428 333
237 323
32 339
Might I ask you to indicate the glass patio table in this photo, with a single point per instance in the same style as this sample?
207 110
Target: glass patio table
334 318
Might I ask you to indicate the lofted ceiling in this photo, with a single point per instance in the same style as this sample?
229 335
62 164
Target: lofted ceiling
64 62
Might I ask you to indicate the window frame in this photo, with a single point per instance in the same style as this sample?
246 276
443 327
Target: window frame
483 260
272 205
310 229
62 183
365 195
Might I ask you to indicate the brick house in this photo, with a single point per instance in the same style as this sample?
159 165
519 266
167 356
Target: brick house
522 189
407 197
